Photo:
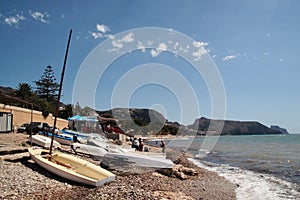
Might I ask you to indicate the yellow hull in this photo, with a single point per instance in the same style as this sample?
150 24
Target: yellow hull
71 167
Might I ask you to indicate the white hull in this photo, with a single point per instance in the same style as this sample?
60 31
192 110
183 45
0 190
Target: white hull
63 141
60 138
89 150
43 141
132 159
72 168
95 141
103 143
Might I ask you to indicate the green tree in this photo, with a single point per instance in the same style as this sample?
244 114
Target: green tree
66 112
24 91
77 110
41 105
47 87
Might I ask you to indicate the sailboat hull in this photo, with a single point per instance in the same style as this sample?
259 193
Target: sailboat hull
112 160
71 168
43 141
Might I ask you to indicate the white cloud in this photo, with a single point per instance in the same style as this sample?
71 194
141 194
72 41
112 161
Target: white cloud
141 46
21 17
14 20
11 21
97 35
266 53
102 28
161 47
149 42
42 17
200 44
214 56
117 44
280 60
175 45
110 36
154 53
201 51
229 57
171 31
127 38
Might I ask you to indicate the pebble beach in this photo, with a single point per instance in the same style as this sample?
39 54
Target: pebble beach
21 178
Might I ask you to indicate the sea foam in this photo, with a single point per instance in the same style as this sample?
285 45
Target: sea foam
253 185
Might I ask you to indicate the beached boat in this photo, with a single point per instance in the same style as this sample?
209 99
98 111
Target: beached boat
71 168
102 142
112 160
43 141
81 136
113 155
99 151
61 138
112 148
96 152
64 165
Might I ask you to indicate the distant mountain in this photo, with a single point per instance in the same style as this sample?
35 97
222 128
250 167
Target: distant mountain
201 126
278 128
205 126
6 90
143 115
141 121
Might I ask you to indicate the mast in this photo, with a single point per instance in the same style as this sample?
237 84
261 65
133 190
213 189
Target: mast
59 92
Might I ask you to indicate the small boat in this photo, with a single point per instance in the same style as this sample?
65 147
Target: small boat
61 138
64 165
119 156
96 152
112 160
71 167
84 136
102 143
43 141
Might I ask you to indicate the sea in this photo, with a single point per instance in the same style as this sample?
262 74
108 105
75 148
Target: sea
262 166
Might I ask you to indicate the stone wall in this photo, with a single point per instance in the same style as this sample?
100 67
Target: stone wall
23 115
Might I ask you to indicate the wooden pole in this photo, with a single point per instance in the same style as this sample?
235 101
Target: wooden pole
59 92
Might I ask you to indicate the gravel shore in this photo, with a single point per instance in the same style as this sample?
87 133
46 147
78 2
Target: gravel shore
21 178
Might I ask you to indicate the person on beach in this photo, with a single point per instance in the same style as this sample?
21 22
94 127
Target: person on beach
163 146
135 144
141 144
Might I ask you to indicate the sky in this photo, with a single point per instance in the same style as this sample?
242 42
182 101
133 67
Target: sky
247 53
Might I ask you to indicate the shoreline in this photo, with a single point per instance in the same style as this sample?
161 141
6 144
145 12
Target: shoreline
254 185
22 178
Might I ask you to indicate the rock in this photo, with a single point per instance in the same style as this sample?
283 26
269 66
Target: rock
181 175
189 171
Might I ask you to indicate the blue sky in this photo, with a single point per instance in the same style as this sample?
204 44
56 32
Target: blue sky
254 44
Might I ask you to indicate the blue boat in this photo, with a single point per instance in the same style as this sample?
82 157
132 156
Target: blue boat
61 138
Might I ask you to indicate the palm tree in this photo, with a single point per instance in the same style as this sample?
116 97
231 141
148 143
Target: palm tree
24 91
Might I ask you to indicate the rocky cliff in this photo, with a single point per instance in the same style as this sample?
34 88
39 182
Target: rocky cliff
159 125
205 126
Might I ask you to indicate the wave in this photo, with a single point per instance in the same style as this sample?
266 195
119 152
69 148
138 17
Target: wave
253 185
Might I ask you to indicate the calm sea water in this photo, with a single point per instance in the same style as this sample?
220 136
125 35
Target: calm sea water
260 164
